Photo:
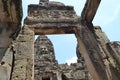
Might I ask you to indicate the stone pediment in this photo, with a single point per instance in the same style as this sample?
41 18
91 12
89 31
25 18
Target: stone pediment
53 16
51 12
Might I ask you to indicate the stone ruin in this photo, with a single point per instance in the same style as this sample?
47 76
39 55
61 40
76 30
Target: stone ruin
23 59
47 67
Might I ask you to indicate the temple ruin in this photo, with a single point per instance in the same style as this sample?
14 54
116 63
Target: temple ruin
47 67
22 58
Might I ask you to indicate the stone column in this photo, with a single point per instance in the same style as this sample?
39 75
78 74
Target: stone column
41 77
24 57
6 65
10 21
4 45
51 78
90 50
59 76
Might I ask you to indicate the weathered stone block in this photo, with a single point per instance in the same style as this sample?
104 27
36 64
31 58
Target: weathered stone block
24 56
19 72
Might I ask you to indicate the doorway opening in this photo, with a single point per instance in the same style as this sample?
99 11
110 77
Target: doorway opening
46 78
64 47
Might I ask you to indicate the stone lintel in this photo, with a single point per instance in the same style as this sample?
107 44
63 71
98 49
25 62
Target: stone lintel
53 28
90 10
51 18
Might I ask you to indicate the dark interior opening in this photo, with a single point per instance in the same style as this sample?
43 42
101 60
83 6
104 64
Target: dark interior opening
46 78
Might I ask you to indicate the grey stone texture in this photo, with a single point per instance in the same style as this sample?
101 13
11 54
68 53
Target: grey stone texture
10 23
22 58
46 66
54 16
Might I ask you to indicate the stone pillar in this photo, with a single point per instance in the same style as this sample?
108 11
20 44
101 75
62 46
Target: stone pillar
111 66
40 78
59 76
10 21
4 44
6 65
24 56
90 50
51 78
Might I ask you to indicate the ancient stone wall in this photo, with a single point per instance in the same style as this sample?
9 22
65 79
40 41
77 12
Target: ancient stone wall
97 56
46 65
10 23
23 68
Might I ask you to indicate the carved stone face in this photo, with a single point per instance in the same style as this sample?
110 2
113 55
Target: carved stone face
43 50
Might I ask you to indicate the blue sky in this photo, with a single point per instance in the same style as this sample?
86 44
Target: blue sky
108 17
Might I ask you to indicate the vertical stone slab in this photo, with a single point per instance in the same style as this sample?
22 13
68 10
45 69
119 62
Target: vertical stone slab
90 10
4 44
91 53
59 76
114 50
24 57
10 22
108 56
6 65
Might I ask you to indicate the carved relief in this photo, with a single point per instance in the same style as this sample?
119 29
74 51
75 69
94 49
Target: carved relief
52 14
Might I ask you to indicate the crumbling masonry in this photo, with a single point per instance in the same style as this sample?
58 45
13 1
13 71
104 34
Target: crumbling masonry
23 59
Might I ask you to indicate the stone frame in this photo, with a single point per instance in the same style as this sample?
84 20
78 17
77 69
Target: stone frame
83 36
83 30
93 49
